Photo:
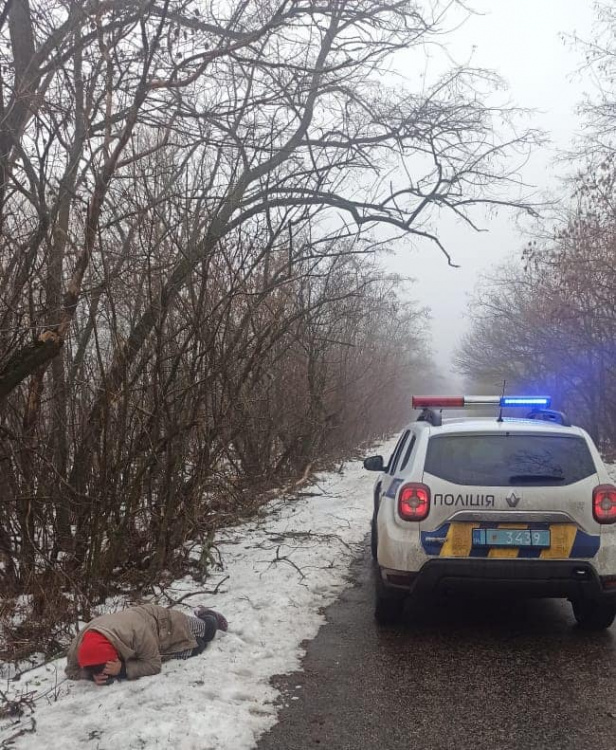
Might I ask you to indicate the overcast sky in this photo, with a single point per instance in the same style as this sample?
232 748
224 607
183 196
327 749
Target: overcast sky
521 40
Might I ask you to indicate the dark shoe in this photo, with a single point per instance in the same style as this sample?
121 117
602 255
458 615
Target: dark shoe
221 622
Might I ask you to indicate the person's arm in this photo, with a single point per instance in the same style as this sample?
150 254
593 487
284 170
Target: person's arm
147 660
113 670
143 666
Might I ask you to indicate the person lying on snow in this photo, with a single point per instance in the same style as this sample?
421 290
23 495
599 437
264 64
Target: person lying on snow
133 643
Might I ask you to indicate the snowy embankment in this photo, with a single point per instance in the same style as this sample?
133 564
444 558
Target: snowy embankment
279 572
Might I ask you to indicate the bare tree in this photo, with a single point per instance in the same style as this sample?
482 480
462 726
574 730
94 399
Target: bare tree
192 195
599 65
299 116
551 325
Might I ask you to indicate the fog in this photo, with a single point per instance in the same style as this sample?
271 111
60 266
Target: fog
523 42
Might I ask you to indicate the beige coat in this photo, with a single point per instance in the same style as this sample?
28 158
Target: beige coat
143 636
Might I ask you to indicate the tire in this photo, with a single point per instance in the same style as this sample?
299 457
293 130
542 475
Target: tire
374 538
594 614
388 604
374 531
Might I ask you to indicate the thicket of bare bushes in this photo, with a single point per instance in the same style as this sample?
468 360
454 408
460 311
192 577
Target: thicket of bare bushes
189 304
549 325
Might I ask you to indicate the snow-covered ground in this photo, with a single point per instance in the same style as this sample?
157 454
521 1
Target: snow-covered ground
279 573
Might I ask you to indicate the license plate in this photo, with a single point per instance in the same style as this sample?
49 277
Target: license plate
511 538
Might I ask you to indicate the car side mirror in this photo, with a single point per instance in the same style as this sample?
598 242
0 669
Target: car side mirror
374 463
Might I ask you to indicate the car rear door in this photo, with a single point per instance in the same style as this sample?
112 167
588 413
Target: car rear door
493 490
390 479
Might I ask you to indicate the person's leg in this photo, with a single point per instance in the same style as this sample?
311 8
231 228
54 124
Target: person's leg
204 629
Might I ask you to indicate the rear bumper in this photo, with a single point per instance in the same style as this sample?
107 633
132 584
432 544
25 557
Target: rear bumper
533 578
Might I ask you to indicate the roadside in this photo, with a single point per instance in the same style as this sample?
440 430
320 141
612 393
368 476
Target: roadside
280 572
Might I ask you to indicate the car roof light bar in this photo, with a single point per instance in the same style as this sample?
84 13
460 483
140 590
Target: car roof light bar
538 401
446 402
456 402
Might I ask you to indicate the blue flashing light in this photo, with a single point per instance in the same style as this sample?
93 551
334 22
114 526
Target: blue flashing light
539 402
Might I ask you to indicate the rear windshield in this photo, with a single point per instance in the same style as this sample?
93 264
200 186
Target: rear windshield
509 460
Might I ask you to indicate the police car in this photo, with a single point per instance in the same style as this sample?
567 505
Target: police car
521 506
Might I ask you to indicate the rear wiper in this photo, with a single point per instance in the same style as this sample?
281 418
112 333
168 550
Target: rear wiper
536 478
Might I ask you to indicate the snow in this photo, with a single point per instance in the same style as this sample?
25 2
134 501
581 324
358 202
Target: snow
279 573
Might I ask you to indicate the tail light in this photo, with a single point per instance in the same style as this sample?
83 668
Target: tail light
604 503
414 502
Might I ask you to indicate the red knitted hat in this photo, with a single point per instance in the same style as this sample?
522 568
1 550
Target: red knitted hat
95 649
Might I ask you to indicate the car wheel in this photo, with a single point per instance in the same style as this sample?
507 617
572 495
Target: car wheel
388 604
594 614
374 538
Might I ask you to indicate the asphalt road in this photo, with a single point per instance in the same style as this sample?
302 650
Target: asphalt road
499 675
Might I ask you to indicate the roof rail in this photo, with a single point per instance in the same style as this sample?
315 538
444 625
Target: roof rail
549 415
432 417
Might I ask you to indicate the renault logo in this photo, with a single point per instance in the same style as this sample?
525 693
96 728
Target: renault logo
512 500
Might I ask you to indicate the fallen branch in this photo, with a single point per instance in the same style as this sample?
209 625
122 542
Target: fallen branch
18 675
309 535
285 559
7 743
209 592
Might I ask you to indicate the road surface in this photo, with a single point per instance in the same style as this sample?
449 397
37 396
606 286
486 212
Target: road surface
499 675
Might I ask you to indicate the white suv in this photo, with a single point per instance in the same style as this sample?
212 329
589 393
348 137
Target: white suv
524 506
